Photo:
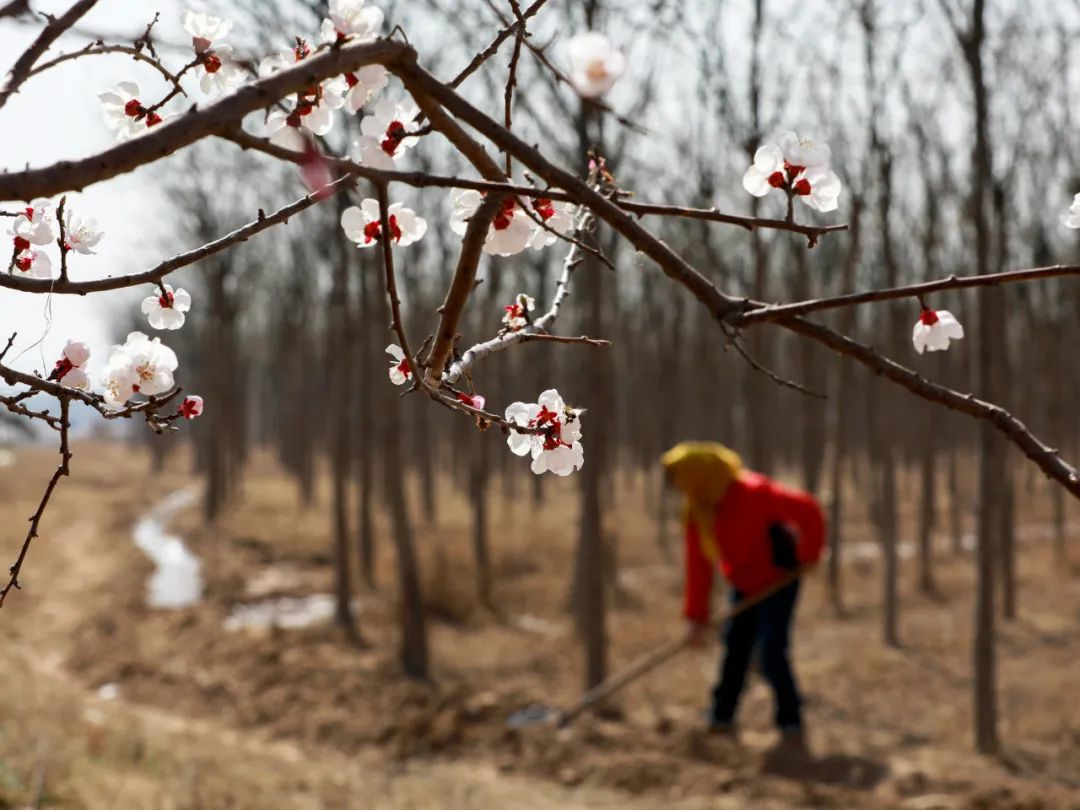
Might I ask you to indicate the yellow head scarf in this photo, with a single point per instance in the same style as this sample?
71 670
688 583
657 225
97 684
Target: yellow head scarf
703 471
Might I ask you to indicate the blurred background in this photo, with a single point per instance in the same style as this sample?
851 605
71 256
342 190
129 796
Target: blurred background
322 594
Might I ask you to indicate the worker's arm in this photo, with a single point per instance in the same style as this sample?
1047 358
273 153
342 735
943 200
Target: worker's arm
802 512
699 578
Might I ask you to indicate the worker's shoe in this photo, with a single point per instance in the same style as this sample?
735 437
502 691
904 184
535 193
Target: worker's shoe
793 741
723 731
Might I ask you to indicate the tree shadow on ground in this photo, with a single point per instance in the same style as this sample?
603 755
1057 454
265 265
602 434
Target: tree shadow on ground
856 772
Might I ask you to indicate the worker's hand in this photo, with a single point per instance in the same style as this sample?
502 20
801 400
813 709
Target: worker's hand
697 634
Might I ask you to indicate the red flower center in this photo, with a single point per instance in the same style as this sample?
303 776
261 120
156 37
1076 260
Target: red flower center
395 134
544 208
802 188
212 63
24 262
133 109
515 310
166 300
189 408
928 317
403 367
63 366
553 433
21 244
351 80
793 170
505 215
29 211
373 228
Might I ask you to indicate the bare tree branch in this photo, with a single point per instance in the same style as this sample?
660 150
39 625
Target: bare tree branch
49 34
780 311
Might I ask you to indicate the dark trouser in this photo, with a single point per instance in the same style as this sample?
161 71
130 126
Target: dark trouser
766 624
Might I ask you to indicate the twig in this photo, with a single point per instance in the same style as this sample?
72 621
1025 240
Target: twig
35 519
49 34
61 240
98 48
493 48
780 311
533 337
734 342
511 83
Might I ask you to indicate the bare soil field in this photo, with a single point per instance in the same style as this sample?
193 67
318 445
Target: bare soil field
105 702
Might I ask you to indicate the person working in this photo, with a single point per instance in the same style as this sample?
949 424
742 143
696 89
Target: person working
759 533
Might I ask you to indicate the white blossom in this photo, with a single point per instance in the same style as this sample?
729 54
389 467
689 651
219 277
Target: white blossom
362 224
81 233
69 369
205 30
819 188
354 20
278 61
219 72
595 64
390 123
516 316
805 153
140 365
34 263
557 215
1071 218
558 448
118 379
363 85
766 172
369 151
313 114
35 224
799 167
152 362
166 311
217 69
934 330
399 365
124 113
511 230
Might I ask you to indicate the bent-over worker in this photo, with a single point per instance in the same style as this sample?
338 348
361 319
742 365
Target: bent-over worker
758 533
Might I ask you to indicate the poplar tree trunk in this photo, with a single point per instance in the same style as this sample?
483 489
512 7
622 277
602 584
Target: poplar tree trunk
340 345
991 467
841 418
588 591
927 505
369 433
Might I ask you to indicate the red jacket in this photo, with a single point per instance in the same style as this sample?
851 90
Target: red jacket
751 504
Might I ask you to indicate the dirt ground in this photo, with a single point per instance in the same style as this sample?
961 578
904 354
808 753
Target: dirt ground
106 703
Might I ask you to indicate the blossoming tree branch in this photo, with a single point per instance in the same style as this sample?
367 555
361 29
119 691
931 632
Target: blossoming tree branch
286 102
